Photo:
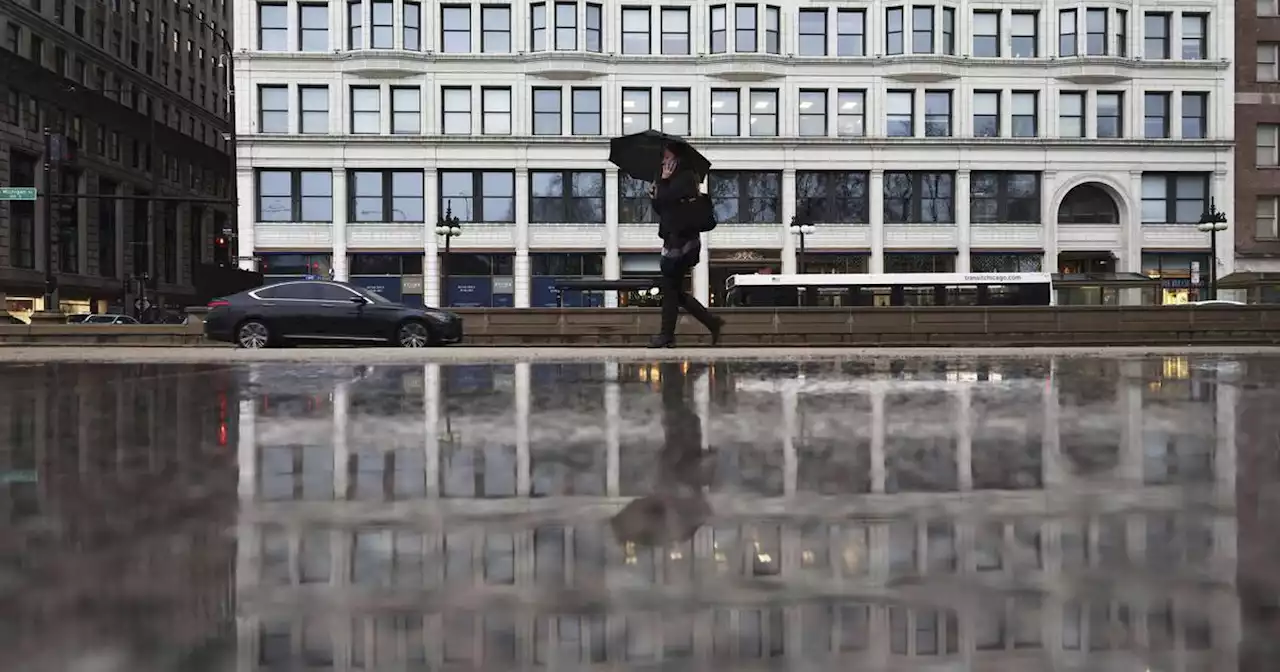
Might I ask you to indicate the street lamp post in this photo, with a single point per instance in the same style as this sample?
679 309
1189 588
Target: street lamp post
448 228
1211 222
801 227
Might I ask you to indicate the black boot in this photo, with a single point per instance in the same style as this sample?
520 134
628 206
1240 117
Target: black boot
662 341
717 324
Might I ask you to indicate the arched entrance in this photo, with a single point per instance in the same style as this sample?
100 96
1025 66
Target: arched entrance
1088 203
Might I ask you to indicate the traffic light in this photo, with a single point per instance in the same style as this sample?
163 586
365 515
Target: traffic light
222 250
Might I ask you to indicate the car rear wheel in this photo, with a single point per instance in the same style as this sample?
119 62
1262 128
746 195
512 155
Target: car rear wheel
253 335
413 335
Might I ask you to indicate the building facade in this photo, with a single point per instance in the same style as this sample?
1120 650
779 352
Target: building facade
139 90
448 523
1257 235
929 137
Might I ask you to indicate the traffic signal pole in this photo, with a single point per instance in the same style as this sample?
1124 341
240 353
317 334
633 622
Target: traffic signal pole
50 231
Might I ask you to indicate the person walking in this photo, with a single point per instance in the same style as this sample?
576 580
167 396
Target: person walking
674 197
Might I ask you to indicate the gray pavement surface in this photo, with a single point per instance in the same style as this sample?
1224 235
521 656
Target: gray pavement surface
188 509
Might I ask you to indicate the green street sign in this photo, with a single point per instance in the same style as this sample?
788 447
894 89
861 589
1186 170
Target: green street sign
17 193
26 476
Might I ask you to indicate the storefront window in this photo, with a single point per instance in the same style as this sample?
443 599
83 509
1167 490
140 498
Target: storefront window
1183 277
1005 263
479 280
641 267
824 262
550 267
289 266
398 277
920 262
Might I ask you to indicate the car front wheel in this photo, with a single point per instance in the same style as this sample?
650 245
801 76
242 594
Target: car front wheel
253 335
413 335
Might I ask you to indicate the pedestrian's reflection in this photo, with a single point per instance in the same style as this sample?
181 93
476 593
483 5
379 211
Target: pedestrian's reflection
678 507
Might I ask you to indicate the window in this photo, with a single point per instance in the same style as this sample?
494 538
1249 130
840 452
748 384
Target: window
675 111
594 29
1110 114
986 114
406 110
479 196
566 197
1268 7
922 30
1122 33
719 30
295 196
1095 32
937 114
763 121
813 32
986 34
386 196
1268 135
495 30
1174 198
586 111
724 112
949 31
1265 227
1071 114
1155 115
495 108
772 30
813 112
273 109
1025 104
355 24
999 198
901 114
1155 36
851 32
546 112
634 206
455 29
455 110
1067 33
538 26
832 196
1194 37
1195 112
636 25
1026 38
919 197
851 114
675 30
893 31
636 109
566 26
412 31
313 109
1267 69
313 27
746 196
273 27
366 109
744 33
382 32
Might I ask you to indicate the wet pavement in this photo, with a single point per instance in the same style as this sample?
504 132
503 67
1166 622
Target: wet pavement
871 513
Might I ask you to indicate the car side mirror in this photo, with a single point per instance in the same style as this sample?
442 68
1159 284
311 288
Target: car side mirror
359 300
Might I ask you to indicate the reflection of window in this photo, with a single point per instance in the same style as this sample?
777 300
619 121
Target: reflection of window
830 196
919 197
478 196
295 196
568 196
1004 197
634 204
274 569
386 196
745 196
499 559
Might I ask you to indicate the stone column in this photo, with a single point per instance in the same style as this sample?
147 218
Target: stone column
432 294
875 202
1131 237
245 216
612 262
964 232
339 231
701 272
1049 217
790 260
522 269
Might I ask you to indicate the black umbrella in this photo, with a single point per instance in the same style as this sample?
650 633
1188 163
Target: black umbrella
640 154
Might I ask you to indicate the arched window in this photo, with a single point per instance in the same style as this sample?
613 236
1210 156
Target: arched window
1088 204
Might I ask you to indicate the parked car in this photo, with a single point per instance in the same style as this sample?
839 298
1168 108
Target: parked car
77 318
12 319
1216 302
318 311
106 319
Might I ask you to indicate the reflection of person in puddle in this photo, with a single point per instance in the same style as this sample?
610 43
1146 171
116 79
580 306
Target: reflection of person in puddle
678 507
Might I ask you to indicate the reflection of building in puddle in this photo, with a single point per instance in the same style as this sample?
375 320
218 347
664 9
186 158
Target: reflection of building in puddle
1004 517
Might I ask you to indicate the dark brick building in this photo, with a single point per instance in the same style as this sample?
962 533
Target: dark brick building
1255 217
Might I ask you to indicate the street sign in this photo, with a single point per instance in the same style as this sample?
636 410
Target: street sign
21 476
17 193
142 304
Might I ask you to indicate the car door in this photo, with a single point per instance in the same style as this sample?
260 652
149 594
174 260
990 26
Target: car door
291 309
347 313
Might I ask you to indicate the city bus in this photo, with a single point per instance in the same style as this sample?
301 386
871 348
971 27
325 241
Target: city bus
891 289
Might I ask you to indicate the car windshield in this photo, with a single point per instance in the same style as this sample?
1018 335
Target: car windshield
377 298
99 319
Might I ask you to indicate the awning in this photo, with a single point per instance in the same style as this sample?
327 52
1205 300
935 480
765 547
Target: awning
1104 280
1247 279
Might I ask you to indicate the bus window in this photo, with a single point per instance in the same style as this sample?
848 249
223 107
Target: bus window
962 295
919 296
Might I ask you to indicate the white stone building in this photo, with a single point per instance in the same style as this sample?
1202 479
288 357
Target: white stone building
976 135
